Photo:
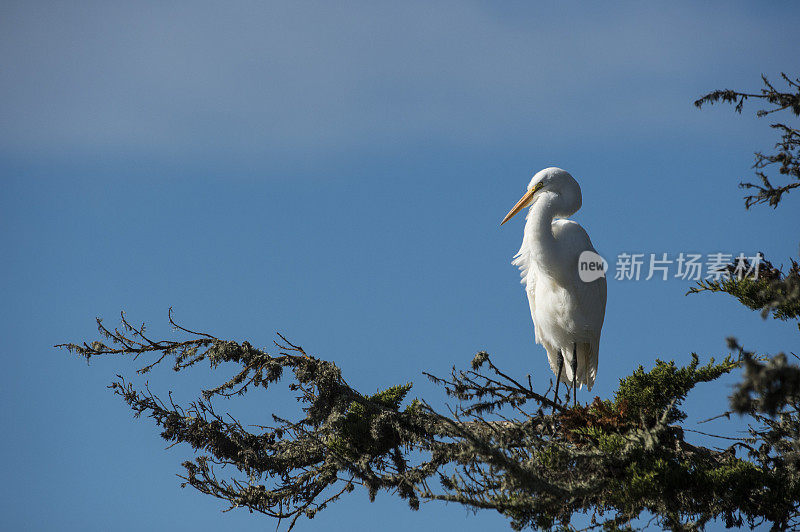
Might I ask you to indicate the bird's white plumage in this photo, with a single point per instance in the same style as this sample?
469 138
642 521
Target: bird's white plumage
567 312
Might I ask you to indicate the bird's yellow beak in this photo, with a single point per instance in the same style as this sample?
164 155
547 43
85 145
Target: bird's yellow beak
523 202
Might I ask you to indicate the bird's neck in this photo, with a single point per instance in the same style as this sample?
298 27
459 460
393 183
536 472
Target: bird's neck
539 232
540 219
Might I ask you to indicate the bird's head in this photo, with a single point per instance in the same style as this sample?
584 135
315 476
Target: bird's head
555 183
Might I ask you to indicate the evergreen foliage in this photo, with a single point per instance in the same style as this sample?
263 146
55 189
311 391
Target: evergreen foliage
787 156
503 446
769 291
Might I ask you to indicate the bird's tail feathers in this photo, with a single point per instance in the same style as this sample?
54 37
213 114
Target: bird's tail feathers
586 368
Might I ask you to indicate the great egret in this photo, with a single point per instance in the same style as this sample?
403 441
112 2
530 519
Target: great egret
567 312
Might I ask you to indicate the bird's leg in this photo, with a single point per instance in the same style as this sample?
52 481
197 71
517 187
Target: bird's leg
574 374
558 376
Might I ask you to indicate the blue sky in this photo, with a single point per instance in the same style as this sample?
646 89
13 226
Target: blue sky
337 172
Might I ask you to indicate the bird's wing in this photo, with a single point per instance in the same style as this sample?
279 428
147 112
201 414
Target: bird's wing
591 296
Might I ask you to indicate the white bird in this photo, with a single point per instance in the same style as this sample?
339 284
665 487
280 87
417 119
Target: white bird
567 312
